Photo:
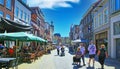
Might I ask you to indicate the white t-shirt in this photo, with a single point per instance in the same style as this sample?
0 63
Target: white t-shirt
58 47
92 49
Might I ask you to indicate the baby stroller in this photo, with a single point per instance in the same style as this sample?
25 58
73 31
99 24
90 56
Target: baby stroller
62 51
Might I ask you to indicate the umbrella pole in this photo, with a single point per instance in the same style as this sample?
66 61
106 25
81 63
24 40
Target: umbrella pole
16 67
16 47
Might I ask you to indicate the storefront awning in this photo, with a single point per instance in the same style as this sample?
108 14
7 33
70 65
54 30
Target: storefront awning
11 26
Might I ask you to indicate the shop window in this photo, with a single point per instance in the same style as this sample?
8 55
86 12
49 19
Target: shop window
118 48
117 28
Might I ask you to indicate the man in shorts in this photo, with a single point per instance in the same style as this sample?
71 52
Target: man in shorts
92 52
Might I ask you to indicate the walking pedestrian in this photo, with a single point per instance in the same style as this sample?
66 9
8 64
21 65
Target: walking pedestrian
58 49
92 52
62 51
82 49
102 54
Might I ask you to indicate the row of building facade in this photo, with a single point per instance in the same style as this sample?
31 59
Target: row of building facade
101 23
19 12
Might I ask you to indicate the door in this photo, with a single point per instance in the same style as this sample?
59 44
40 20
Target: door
118 48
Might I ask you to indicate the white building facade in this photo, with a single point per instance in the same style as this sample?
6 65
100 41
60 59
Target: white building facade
80 30
115 28
22 13
102 25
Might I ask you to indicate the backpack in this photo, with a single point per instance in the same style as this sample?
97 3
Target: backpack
102 52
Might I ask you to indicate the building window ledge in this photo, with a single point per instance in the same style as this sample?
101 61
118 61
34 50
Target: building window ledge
115 13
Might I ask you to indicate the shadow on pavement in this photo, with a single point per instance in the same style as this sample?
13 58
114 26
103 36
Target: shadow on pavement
77 66
72 53
112 62
108 62
90 67
56 55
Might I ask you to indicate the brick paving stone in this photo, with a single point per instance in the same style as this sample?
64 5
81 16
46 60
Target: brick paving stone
53 61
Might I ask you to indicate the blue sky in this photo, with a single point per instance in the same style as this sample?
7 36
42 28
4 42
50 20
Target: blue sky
63 13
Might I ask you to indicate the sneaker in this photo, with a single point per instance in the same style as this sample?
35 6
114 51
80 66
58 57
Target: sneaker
88 64
102 67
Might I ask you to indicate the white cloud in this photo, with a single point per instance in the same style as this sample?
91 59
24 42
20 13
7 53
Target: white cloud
51 3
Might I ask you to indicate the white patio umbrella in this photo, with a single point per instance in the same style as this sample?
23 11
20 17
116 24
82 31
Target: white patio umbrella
79 40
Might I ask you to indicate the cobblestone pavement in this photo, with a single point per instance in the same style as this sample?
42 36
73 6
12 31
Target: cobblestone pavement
53 61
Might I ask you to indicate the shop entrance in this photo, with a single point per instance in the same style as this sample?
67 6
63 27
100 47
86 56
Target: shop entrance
118 48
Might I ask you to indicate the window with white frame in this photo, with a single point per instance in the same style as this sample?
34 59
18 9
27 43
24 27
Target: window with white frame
2 2
1 13
117 5
17 12
113 5
8 16
24 16
105 15
100 19
21 14
28 18
95 22
117 28
8 4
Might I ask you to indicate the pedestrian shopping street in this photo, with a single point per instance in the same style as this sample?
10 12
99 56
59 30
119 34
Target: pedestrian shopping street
33 32
53 61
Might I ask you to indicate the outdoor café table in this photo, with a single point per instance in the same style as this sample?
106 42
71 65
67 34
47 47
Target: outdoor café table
6 61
